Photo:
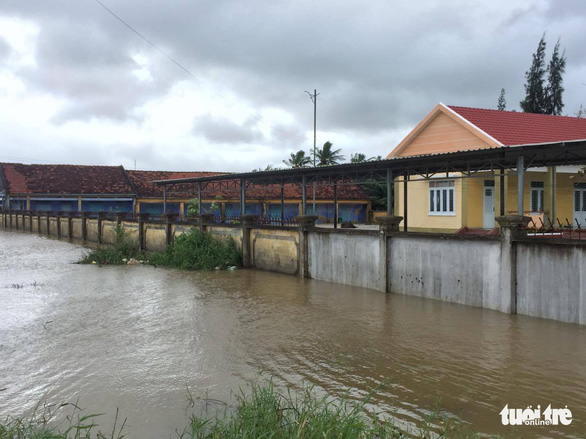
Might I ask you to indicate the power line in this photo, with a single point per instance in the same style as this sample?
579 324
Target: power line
182 67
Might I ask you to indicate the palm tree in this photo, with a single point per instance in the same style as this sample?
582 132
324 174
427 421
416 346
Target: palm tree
358 158
298 160
327 156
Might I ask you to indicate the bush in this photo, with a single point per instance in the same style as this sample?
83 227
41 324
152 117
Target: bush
126 247
196 250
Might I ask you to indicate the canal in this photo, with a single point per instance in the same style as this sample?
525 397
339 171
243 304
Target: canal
136 337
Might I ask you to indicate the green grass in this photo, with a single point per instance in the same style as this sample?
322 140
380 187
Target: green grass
54 423
261 412
196 250
126 247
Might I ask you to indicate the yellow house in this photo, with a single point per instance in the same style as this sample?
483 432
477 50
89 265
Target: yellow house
450 203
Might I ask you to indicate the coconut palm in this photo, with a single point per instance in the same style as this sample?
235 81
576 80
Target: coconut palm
298 160
358 158
326 156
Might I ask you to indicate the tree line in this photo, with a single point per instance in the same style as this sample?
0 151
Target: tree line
543 83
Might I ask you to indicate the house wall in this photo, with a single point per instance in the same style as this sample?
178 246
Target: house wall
442 134
419 218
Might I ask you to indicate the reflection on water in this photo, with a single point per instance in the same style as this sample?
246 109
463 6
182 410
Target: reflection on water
135 337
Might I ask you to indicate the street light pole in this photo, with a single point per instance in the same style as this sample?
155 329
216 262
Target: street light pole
314 100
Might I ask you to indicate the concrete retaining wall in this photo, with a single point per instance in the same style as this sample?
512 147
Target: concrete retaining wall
275 250
347 258
511 273
551 281
452 270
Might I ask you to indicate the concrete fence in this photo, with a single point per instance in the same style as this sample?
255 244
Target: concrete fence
510 273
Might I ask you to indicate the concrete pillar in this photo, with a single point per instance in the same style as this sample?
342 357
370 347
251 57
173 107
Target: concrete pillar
306 223
16 219
120 217
38 222
512 228
170 218
70 216
48 221
388 224
30 221
101 217
247 223
84 219
142 219
59 215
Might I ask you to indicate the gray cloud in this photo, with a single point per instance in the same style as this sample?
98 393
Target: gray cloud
379 66
222 130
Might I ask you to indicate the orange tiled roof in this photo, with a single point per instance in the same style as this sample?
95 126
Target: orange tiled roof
516 128
66 179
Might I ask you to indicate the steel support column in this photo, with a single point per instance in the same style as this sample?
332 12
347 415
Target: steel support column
199 197
242 197
405 204
553 189
282 203
335 206
164 199
390 200
520 184
303 195
502 192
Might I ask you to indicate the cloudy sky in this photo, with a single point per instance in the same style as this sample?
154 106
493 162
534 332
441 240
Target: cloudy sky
77 86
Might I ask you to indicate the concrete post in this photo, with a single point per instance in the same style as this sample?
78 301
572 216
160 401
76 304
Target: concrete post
48 221
70 216
247 222
16 219
512 228
84 219
387 224
306 223
39 222
101 217
170 218
59 215
142 218
120 216
204 218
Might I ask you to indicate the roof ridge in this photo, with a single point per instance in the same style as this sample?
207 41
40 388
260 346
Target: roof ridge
514 112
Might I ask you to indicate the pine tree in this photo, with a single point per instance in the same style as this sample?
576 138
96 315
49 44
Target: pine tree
502 104
534 101
555 89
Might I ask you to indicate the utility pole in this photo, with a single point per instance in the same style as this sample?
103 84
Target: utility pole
314 100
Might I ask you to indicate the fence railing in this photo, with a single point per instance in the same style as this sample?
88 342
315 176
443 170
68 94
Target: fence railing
269 220
559 229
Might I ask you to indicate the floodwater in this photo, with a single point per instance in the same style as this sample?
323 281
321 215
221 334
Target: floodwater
135 338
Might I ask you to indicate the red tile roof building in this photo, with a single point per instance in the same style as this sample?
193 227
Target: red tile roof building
515 128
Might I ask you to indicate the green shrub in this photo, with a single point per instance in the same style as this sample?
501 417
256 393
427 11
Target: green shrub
126 247
196 250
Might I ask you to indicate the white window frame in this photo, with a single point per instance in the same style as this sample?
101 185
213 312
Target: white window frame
442 198
538 191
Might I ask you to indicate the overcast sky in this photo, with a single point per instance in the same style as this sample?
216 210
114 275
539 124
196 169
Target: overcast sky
77 86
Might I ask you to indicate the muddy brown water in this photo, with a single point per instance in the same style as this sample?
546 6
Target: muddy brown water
135 338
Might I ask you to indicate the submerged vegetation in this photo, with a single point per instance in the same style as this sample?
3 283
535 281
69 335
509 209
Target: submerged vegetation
261 412
125 248
194 250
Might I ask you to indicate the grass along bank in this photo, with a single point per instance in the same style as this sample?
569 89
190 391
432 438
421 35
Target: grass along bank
261 412
194 250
